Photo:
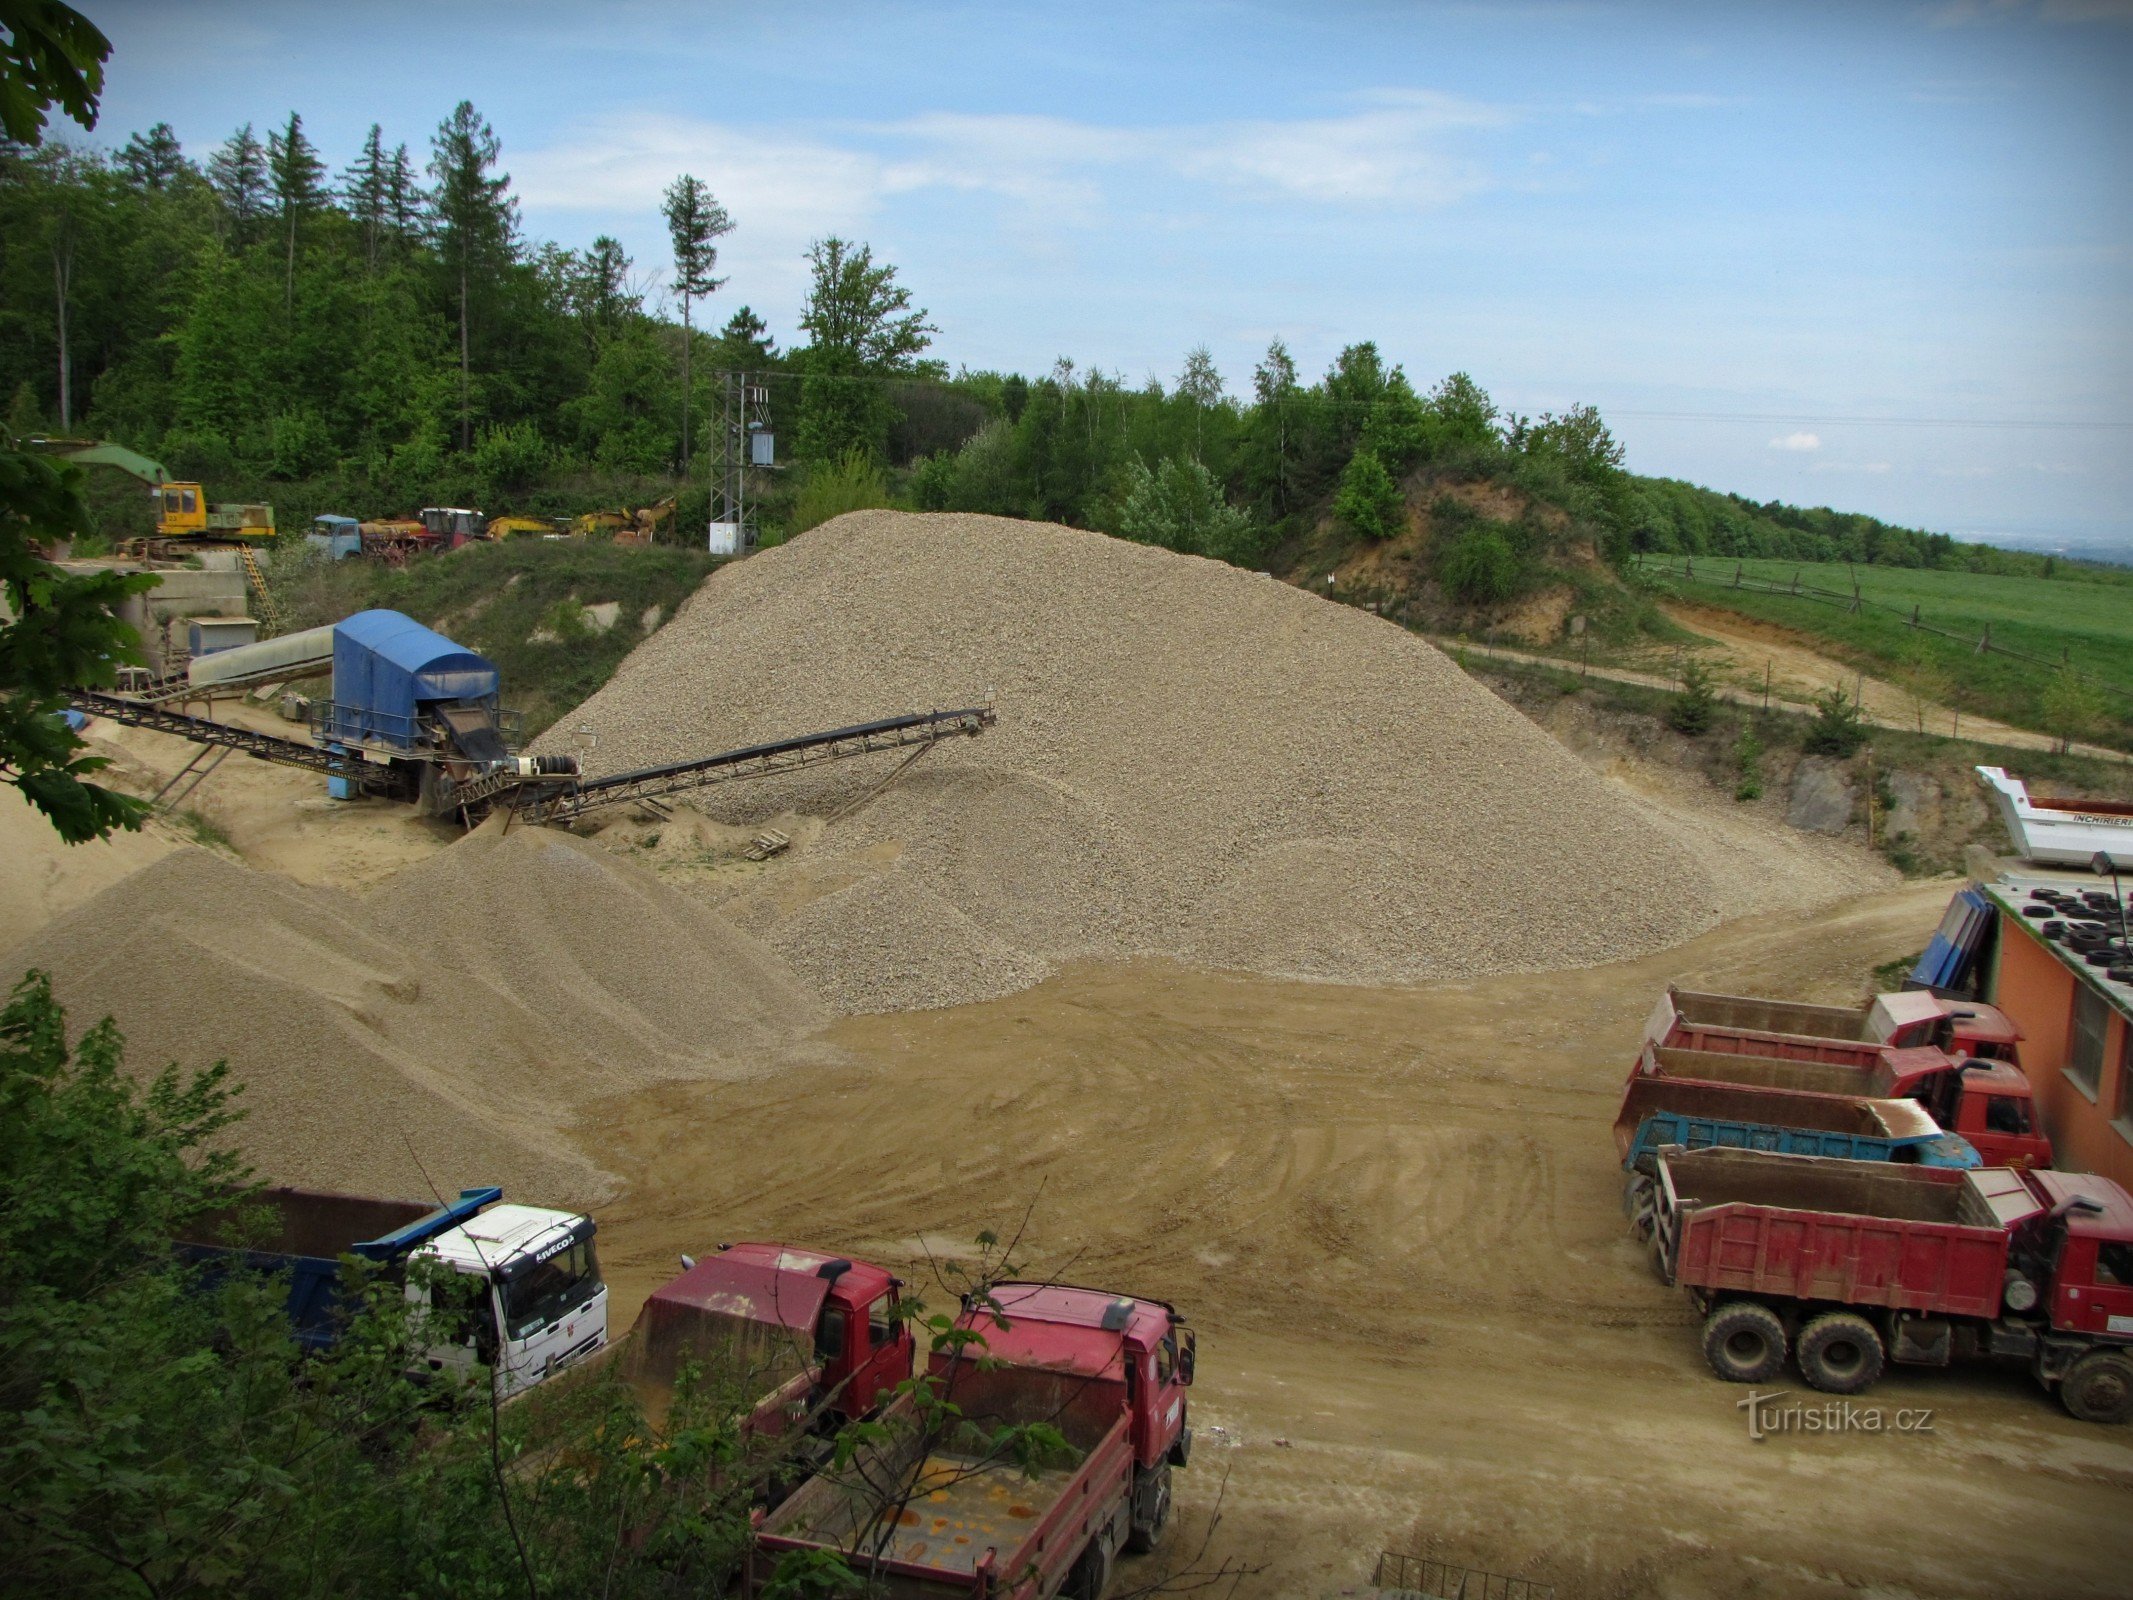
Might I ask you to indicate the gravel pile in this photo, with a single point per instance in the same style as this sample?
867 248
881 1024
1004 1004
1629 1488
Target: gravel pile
444 1031
1191 760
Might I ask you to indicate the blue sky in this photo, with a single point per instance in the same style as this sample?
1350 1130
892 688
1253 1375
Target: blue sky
1876 255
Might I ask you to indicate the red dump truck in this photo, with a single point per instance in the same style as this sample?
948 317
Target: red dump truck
812 1339
1987 1102
925 1514
1853 1264
1749 1025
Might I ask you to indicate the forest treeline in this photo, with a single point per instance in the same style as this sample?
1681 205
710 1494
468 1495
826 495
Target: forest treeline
382 334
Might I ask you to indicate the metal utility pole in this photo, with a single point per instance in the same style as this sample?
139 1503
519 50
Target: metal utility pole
745 441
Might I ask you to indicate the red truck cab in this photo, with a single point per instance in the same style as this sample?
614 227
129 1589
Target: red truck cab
825 1332
1107 1335
2090 1256
1990 1103
1982 1032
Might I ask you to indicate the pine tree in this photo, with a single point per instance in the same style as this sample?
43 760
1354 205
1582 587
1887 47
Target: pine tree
599 291
747 339
238 172
477 228
405 203
298 178
365 191
695 222
152 160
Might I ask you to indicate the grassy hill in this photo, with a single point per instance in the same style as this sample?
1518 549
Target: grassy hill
1994 643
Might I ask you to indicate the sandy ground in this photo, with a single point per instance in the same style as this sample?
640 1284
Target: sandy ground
1390 1212
1392 1215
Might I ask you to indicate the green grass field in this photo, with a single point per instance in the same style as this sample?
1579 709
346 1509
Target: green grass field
2085 617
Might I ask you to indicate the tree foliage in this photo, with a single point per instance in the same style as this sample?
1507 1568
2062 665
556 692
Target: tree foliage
1369 503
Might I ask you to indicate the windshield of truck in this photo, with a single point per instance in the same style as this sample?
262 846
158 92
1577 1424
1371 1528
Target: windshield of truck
562 1283
2005 1114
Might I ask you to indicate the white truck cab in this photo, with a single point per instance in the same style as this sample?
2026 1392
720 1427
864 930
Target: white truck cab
533 1288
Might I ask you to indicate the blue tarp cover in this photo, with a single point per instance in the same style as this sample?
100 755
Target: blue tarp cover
1956 943
386 667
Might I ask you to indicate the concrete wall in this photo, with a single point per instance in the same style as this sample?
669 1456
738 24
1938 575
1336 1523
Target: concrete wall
2036 990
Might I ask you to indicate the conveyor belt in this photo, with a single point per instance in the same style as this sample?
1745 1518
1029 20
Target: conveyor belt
374 778
759 761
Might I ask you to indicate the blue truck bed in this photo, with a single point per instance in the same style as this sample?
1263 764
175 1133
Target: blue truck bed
1657 1112
313 1231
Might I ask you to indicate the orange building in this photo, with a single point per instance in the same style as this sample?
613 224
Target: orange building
2076 1020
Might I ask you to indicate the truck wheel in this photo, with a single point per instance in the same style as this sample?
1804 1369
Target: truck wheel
1151 1512
1655 1253
1744 1342
1639 1200
2099 1388
1092 1573
1839 1353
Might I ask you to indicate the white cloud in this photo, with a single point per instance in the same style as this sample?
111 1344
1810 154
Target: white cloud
1797 441
796 184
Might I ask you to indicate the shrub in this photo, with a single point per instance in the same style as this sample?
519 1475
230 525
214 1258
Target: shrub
1479 567
508 459
1836 729
1179 506
1368 504
1747 765
852 482
1696 706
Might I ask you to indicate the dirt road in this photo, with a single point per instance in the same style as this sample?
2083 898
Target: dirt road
1393 1216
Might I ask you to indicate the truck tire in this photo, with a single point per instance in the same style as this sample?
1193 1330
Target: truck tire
1151 1510
1744 1342
2099 1387
1840 1353
1655 1254
1092 1573
1639 1201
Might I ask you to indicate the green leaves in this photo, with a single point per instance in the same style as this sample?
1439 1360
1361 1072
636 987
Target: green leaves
63 632
53 56
1369 504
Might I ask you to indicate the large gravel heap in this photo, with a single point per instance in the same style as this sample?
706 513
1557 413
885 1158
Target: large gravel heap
444 1031
1191 760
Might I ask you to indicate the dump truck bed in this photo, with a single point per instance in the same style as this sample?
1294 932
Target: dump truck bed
967 1521
1765 1072
1756 1015
1660 1111
1845 1232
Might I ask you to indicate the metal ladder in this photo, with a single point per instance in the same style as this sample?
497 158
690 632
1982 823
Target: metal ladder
269 613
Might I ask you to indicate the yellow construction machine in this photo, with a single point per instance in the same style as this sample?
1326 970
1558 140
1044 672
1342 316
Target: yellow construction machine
182 509
627 526
528 527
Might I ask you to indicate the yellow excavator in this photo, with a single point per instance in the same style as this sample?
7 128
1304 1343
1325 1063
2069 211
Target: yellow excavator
515 527
185 522
182 509
627 526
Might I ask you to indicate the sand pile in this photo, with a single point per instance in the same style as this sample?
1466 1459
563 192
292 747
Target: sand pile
446 1031
1191 760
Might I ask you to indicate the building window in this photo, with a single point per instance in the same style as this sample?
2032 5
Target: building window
2092 1021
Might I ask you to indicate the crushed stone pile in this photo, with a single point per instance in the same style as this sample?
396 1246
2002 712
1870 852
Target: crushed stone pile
444 1031
1191 760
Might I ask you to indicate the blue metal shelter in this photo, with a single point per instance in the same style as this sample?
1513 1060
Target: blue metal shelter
388 667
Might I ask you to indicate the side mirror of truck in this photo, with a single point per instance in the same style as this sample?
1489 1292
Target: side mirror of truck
1185 1350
